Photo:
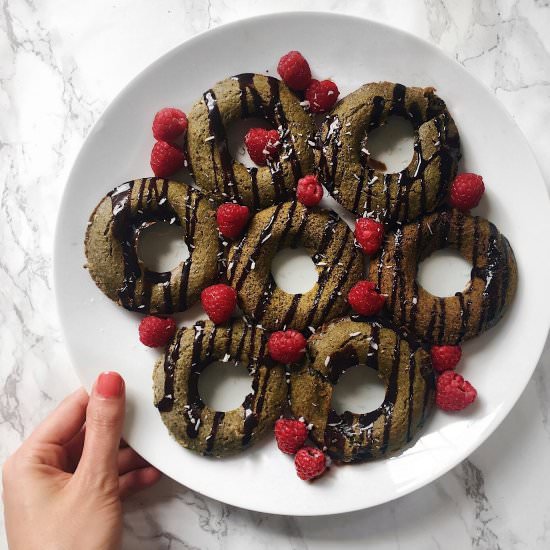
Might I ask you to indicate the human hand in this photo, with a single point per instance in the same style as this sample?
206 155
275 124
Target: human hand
63 487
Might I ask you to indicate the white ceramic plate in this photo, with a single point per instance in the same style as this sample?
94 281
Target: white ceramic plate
352 51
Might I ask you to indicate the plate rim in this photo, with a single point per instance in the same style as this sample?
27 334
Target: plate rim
500 415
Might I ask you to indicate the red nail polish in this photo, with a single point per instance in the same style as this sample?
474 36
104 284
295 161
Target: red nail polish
109 384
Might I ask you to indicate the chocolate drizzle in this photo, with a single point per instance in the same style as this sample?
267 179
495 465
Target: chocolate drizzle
333 252
364 188
452 319
238 341
397 356
195 405
170 360
253 103
152 206
217 130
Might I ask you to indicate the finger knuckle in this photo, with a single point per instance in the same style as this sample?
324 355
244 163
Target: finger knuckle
104 419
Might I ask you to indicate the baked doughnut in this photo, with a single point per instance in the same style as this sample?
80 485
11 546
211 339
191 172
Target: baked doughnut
351 177
451 319
112 237
332 248
242 96
401 364
195 425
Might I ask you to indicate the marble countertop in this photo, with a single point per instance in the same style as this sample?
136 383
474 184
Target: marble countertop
61 63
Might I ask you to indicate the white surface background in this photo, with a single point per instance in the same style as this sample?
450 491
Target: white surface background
60 65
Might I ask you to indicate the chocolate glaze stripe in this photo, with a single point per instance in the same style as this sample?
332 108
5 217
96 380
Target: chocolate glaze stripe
195 403
191 207
412 376
232 267
121 201
301 228
475 254
464 316
270 285
229 337
250 416
429 381
332 139
414 302
151 278
492 278
210 343
251 357
342 359
282 122
170 360
339 285
442 319
277 180
240 345
505 278
218 418
398 278
374 118
246 84
391 395
288 225
217 129
398 100
265 297
323 278
291 310
256 250
253 172
328 234
363 159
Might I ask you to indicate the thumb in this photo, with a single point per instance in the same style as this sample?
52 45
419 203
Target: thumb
104 419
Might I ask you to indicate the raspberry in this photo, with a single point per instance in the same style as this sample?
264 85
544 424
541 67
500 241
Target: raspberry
310 463
453 393
309 191
364 299
445 357
169 124
286 346
466 191
231 218
369 234
322 95
156 331
262 144
294 70
166 159
219 301
290 435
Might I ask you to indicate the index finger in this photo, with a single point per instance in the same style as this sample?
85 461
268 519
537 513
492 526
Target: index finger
64 422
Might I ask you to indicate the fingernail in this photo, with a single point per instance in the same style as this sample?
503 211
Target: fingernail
109 384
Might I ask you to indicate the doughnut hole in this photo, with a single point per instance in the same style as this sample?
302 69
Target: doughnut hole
160 246
391 144
359 390
224 385
294 270
235 138
444 273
